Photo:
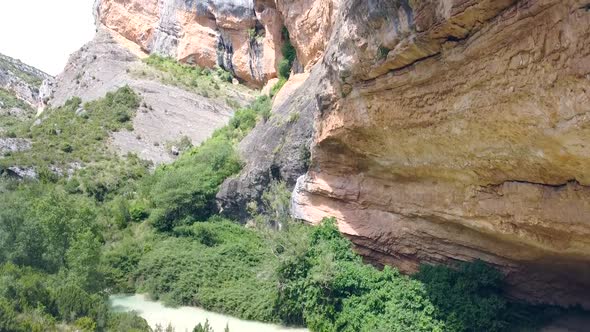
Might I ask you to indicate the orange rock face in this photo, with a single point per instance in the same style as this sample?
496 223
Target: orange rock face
135 20
310 25
460 130
241 36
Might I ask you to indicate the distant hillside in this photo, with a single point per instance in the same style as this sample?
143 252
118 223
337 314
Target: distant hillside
21 81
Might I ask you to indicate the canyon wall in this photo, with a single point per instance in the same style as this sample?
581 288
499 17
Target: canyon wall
460 130
446 131
244 37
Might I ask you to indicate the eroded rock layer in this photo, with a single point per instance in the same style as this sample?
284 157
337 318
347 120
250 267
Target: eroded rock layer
241 36
460 130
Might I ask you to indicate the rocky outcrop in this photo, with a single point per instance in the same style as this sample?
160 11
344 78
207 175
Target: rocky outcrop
10 145
241 36
276 150
167 113
22 80
456 130
445 131
309 23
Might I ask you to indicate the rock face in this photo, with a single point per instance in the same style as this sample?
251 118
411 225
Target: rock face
241 36
13 145
458 130
309 23
445 131
277 150
22 80
167 113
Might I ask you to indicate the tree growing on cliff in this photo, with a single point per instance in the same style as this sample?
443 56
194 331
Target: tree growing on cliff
289 55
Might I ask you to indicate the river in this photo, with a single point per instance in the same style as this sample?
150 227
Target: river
186 318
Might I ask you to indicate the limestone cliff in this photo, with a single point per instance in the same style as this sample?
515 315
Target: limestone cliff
445 131
241 36
458 130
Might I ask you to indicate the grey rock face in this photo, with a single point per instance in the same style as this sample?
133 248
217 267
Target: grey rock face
236 8
277 150
225 51
168 30
20 173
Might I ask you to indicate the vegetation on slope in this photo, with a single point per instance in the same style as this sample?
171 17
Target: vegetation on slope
286 64
12 66
56 233
8 100
76 132
11 123
52 231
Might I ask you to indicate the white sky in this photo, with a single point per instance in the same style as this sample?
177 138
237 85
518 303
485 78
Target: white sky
43 33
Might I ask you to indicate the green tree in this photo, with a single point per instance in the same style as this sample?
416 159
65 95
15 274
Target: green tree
83 258
61 217
328 288
128 322
21 237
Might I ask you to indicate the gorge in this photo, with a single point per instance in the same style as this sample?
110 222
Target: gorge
434 132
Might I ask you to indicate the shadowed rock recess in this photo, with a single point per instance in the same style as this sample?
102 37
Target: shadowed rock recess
448 131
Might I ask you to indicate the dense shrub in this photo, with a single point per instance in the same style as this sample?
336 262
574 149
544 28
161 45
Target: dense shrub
185 192
470 298
218 265
128 322
277 87
8 320
328 288
284 68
